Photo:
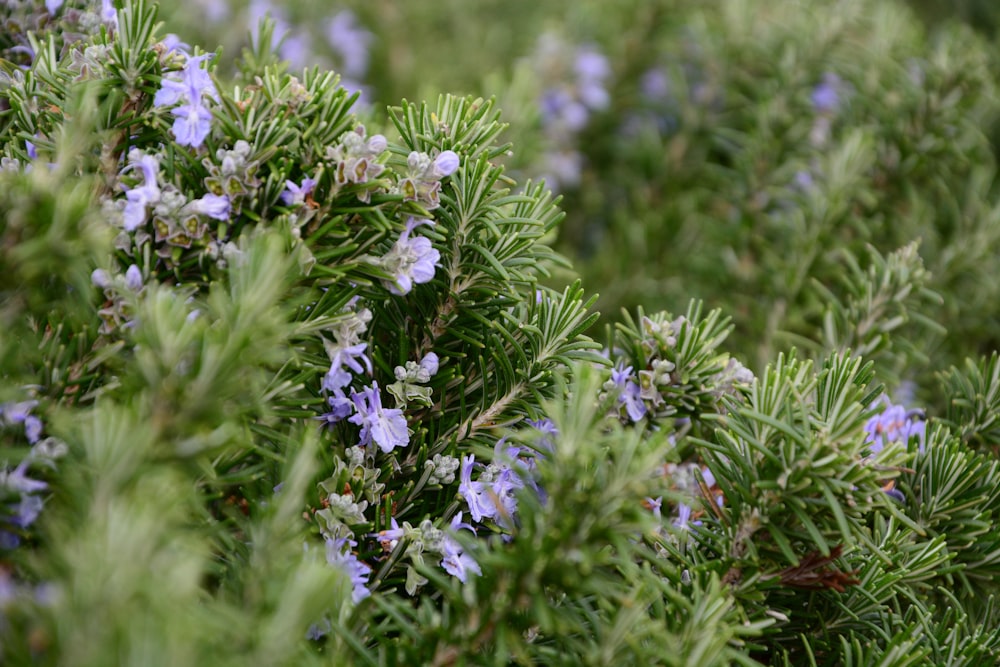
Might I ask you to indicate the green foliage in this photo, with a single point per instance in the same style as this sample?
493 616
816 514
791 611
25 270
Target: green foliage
280 389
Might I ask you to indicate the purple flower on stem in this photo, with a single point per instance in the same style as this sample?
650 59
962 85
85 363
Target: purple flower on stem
214 206
348 356
411 260
340 407
133 278
189 86
385 427
26 511
456 561
476 495
147 194
445 164
294 194
339 554
17 481
895 424
390 537
628 392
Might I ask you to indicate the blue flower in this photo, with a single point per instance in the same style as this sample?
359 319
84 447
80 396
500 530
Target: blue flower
193 124
17 481
340 407
189 86
147 194
295 194
412 260
348 356
445 164
628 392
456 561
338 554
476 495
133 278
895 424
26 511
214 206
826 96
385 427
429 364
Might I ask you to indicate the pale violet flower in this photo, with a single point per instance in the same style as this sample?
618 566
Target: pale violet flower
339 554
477 495
143 196
295 194
133 278
445 164
456 561
350 356
386 427
412 259
628 393
214 206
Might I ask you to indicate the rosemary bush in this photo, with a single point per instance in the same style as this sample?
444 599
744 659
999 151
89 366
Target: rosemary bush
285 387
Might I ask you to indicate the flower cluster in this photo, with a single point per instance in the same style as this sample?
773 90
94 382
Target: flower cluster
178 222
423 181
15 483
383 427
492 494
354 161
189 87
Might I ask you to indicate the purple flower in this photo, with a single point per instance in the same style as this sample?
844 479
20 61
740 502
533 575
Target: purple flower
17 481
826 96
628 392
193 124
133 278
214 206
456 562
592 69
385 427
109 14
683 520
895 424
347 356
548 432
429 364
172 42
475 493
147 194
390 538
295 194
189 86
656 505
52 6
445 164
26 511
340 407
411 260
338 554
